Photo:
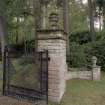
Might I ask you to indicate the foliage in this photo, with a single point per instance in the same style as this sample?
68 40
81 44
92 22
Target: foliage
98 50
80 37
3 7
78 16
82 49
78 57
100 36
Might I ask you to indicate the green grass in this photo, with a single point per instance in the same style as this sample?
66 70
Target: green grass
84 92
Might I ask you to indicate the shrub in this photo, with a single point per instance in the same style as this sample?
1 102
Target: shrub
78 57
80 37
82 49
98 49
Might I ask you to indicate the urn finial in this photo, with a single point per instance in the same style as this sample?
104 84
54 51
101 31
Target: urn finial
53 20
94 61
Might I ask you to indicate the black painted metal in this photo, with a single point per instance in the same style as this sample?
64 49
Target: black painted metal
32 94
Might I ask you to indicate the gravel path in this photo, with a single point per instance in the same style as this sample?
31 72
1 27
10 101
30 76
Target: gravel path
13 101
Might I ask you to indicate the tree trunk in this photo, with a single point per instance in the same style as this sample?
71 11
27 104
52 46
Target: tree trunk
66 24
100 23
37 18
91 17
104 16
3 35
44 16
17 35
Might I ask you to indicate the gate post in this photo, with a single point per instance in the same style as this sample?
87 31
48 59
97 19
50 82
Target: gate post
55 42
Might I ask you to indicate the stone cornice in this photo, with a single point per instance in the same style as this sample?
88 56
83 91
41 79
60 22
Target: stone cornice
51 34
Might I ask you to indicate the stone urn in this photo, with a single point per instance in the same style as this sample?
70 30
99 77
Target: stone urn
53 20
94 61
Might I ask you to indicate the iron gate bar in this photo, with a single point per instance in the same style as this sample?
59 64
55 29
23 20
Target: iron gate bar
26 93
45 58
47 73
31 93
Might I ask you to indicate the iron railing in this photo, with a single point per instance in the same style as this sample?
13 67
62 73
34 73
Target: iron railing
11 84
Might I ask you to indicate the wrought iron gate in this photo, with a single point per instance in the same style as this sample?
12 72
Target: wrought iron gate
26 76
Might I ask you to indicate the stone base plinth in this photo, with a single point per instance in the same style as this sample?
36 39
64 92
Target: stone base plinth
96 73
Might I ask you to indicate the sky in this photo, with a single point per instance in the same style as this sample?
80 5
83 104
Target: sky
84 1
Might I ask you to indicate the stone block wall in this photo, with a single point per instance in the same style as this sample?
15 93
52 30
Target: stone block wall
55 43
94 74
79 75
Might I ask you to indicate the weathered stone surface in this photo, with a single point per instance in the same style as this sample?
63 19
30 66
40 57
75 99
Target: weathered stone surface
94 74
12 101
55 43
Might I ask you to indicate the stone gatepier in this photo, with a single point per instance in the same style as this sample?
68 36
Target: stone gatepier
55 42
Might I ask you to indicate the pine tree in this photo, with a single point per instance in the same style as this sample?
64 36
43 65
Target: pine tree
91 17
